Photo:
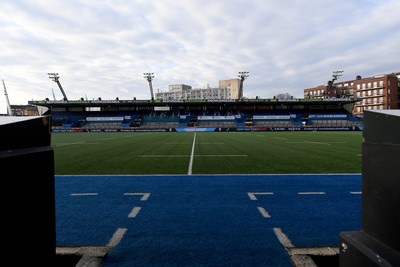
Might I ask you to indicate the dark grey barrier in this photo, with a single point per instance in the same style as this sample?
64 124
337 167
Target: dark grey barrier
28 200
378 241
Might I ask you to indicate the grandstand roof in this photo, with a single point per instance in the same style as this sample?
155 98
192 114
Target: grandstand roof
226 102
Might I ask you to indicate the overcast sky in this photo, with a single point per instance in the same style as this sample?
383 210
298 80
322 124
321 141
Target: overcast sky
102 48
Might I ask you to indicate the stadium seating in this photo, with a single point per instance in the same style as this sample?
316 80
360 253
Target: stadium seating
225 119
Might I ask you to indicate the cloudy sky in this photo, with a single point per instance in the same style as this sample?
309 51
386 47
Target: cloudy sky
102 48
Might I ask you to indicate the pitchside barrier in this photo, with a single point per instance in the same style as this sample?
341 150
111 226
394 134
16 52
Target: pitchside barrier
28 206
378 241
208 129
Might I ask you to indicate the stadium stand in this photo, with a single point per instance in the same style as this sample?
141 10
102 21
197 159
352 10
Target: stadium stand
249 115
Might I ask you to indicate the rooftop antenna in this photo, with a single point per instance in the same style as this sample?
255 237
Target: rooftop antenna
149 77
55 78
9 110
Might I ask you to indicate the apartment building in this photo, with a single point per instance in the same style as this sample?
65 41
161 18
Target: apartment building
227 89
379 92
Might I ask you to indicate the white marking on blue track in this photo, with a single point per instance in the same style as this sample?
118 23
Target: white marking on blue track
145 196
311 193
134 212
263 212
117 237
252 195
83 194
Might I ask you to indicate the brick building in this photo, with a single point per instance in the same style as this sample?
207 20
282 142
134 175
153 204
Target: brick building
379 92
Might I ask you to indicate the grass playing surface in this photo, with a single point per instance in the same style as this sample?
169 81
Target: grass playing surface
207 153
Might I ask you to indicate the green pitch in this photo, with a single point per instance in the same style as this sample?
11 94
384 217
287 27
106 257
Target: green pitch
207 153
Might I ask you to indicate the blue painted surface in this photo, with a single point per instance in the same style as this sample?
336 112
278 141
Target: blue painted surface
205 220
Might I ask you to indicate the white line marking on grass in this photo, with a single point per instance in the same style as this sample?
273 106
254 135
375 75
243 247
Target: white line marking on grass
282 138
178 143
134 212
83 194
210 143
356 193
117 237
143 198
163 156
252 195
192 155
221 155
311 193
68 144
316 143
263 212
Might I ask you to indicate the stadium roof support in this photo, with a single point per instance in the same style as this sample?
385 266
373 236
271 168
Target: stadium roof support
55 78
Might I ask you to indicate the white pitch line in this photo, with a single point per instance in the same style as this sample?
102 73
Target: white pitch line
68 144
221 155
192 155
210 143
134 212
84 194
252 195
163 156
285 241
117 237
311 193
143 198
263 212
309 142
356 193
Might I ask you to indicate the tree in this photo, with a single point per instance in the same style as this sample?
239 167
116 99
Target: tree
283 96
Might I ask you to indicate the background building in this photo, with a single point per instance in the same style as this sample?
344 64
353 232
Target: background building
379 92
228 89
24 110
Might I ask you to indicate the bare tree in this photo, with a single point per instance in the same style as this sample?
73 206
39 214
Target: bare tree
284 96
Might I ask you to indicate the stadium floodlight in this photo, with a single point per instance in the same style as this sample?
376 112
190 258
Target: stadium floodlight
149 76
243 75
54 76
335 75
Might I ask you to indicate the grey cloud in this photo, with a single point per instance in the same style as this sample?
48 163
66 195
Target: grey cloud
102 48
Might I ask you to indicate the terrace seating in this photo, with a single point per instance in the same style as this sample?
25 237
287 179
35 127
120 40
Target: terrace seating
159 124
216 124
273 123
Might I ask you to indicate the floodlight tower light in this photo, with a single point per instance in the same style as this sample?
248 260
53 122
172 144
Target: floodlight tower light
149 77
335 75
55 78
243 75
